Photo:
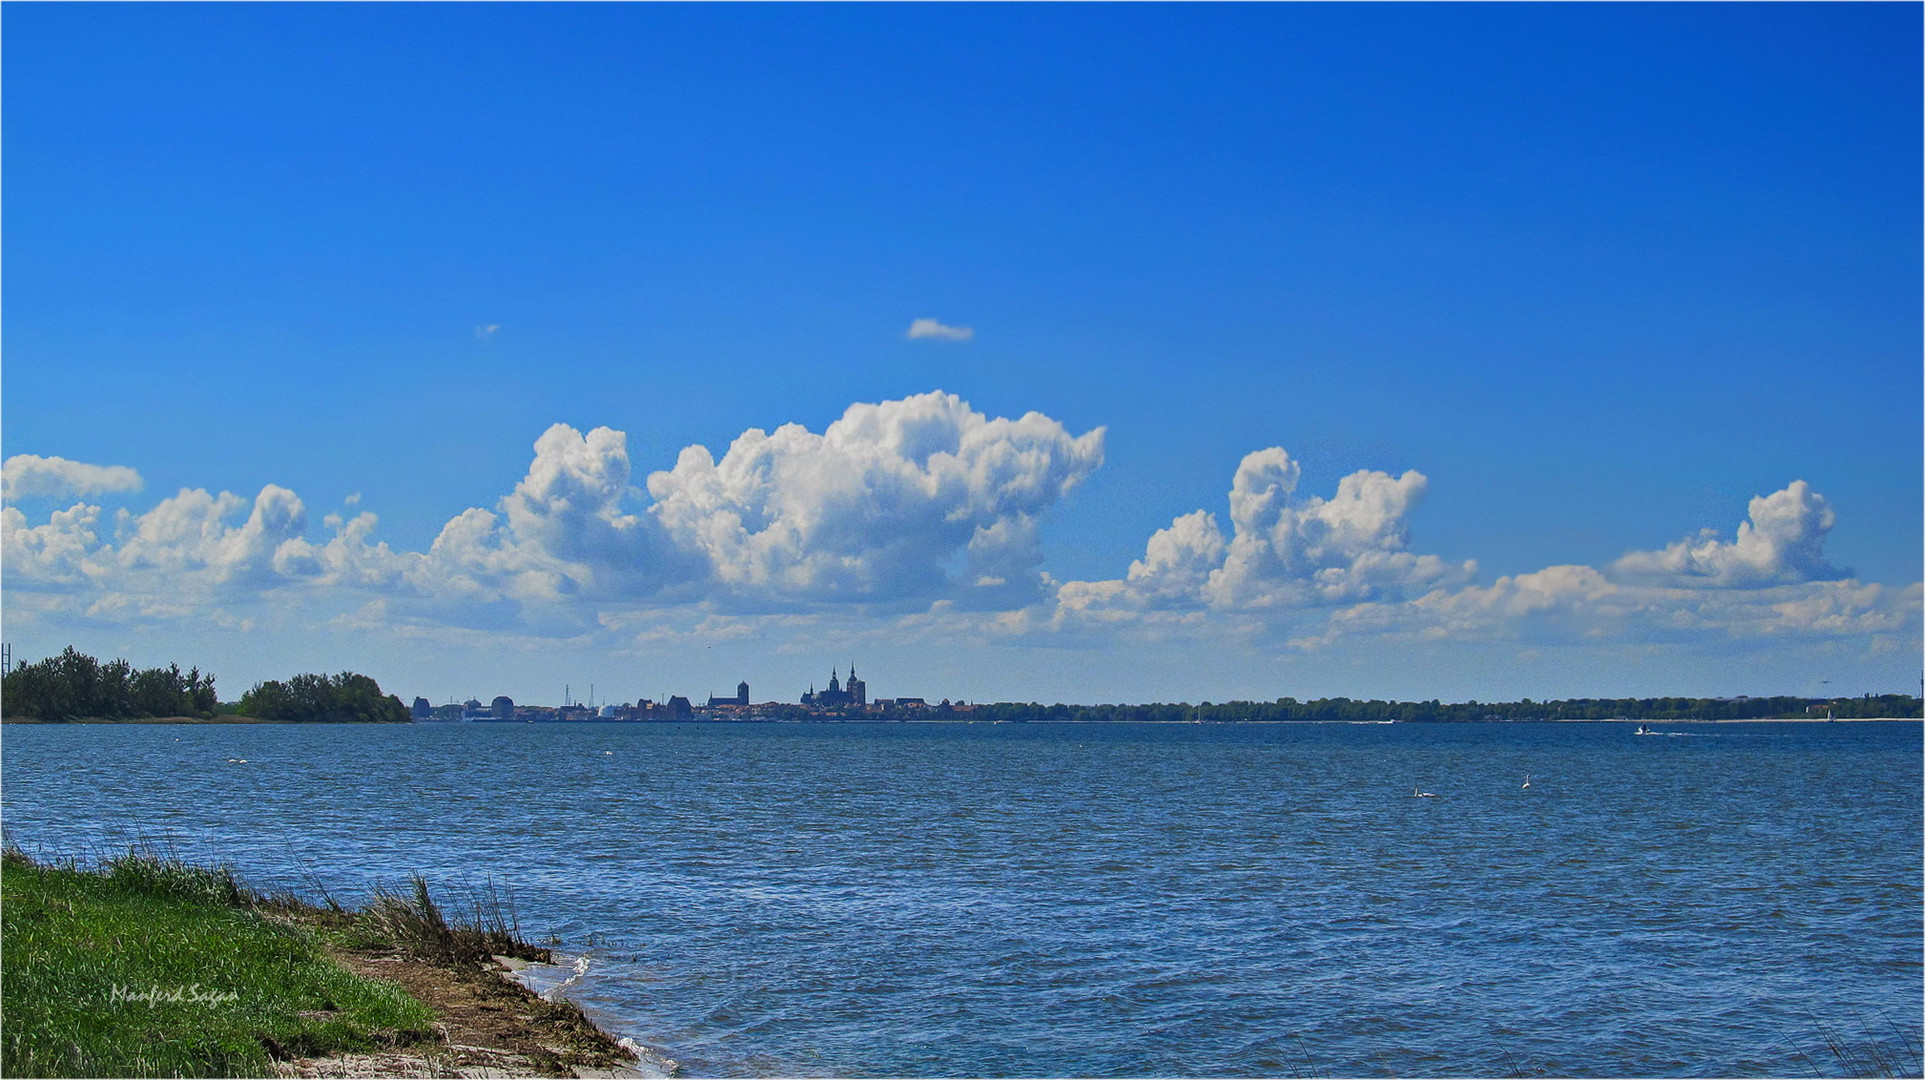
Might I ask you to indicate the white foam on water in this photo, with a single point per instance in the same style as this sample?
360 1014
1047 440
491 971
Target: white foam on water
650 1063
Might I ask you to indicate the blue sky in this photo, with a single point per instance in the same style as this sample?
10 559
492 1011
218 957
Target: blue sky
1599 275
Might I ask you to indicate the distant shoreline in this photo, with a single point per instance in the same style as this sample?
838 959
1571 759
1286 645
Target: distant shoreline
893 721
229 718
222 718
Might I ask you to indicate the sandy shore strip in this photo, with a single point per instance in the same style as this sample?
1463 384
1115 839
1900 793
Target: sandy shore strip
492 1021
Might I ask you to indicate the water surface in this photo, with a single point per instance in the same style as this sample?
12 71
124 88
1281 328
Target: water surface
1106 900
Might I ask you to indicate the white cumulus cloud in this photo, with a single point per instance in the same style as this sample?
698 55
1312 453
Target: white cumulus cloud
876 506
930 328
1178 561
1783 542
193 531
911 500
1306 571
28 475
1284 551
907 502
52 554
921 518
563 531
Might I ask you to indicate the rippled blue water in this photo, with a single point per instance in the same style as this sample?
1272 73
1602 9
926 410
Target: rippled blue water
1094 900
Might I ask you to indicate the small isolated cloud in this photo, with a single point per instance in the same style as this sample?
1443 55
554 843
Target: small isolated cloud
27 475
486 331
930 328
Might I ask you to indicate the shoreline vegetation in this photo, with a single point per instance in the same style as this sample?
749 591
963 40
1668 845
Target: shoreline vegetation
230 718
148 966
1347 710
76 688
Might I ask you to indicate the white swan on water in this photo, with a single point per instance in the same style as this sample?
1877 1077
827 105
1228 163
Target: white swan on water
1527 779
1415 794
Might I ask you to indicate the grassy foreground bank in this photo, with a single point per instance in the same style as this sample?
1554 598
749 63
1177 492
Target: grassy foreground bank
146 966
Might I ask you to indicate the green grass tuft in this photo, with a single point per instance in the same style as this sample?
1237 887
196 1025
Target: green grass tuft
150 967
415 923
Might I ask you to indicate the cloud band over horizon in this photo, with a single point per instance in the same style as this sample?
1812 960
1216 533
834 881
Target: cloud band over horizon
918 516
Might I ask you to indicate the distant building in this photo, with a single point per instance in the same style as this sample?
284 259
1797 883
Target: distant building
837 696
741 697
421 710
503 708
678 708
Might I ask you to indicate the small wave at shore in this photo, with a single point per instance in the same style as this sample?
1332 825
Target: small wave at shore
552 981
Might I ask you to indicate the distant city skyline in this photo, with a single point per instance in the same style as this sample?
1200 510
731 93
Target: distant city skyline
1060 353
617 696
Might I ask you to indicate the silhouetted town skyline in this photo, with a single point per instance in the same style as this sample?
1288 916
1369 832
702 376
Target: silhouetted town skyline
841 698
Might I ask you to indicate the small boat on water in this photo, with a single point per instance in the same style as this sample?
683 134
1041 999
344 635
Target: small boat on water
1642 730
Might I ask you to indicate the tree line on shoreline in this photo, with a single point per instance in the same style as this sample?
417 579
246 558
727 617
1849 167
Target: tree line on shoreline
1346 709
75 686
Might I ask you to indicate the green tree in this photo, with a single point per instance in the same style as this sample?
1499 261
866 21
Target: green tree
310 698
74 685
